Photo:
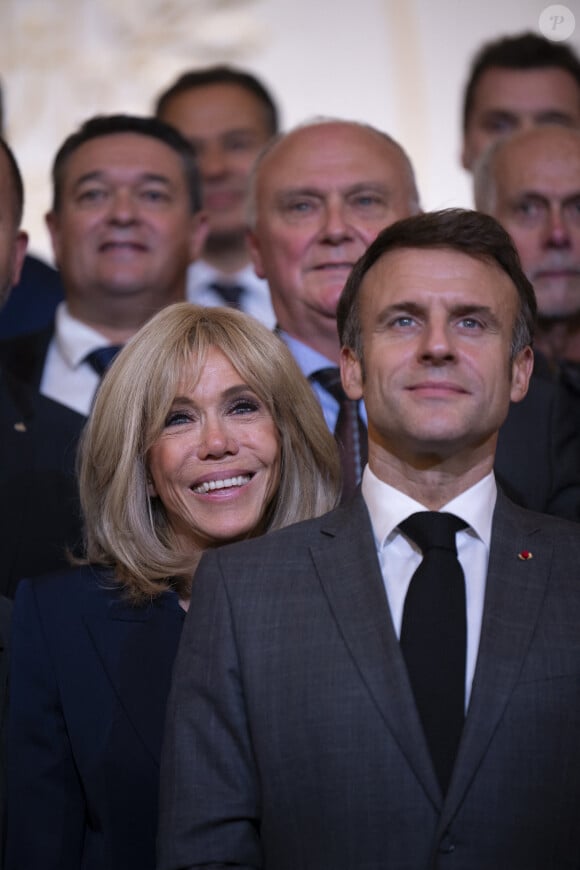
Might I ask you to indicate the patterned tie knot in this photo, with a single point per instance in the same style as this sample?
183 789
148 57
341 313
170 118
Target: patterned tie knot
329 380
101 358
433 530
230 293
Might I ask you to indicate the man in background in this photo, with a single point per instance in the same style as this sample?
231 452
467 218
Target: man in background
515 83
35 296
531 184
125 224
12 252
319 195
227 115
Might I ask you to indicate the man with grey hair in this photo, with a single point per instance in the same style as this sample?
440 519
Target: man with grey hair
319 195
531 184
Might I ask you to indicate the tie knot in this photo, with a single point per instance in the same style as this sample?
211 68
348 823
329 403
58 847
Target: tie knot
230 293
433 530
100 358
329 380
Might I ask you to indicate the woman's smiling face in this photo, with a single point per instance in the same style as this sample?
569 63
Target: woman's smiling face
216 464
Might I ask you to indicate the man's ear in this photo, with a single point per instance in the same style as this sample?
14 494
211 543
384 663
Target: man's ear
351 373
255 253
20 246
522 366
199 234
53 225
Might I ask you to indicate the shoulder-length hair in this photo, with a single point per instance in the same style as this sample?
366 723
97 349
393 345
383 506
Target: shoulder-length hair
127 529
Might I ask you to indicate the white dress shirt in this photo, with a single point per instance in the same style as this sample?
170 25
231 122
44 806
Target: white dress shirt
399 557
67 377
255 299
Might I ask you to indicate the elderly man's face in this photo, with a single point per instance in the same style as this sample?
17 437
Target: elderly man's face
537 184
507 101
12 240
322 196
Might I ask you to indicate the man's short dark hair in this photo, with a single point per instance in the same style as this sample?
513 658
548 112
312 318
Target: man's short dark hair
221 75
107 125
16 184
469 232
525 51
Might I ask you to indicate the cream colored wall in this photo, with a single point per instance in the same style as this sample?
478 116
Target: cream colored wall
398 64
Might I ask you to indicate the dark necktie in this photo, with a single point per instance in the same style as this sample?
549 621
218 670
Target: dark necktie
434 635
101 358
230 293
350 431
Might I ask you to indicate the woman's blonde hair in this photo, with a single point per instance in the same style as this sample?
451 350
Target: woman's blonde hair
127 529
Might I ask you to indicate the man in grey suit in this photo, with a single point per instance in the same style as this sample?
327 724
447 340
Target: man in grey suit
298 733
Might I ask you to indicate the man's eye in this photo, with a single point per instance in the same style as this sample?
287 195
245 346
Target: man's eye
470 323
404 321
300 206
91 194
154 195
529 208
500 125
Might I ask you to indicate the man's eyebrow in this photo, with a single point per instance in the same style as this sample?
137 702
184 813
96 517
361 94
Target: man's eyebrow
101 175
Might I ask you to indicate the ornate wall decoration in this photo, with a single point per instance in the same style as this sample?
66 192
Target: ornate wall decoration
64 60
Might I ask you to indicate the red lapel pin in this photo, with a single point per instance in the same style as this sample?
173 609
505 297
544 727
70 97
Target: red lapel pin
525 555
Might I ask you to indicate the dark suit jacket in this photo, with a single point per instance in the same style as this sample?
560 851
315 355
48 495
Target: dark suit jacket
39 510
32 303
89 679
292 738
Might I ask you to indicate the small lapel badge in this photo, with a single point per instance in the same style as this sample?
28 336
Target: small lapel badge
20 427
525 555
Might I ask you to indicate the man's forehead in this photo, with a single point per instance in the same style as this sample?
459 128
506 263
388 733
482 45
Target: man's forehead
523 91
543 159
331 155
131 152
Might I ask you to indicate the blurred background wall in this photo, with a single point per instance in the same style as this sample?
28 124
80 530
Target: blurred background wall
397 64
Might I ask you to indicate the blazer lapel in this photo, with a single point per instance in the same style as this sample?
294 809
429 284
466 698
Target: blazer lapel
514 594
137 646
350 575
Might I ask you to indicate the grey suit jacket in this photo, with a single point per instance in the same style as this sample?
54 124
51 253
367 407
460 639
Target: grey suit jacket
292 737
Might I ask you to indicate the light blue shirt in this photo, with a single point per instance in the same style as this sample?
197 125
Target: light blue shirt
310 361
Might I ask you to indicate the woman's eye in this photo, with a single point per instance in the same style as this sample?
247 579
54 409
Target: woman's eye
245 406
177 418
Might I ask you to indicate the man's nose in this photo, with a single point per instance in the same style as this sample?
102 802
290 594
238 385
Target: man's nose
557 228
336 227
123 206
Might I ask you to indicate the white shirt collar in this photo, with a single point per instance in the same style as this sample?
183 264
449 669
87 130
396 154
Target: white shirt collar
74 338
389 506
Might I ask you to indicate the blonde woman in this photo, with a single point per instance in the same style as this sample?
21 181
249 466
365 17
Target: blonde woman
203 432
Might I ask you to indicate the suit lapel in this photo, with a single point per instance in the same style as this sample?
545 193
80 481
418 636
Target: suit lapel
349 572
137 646
515 591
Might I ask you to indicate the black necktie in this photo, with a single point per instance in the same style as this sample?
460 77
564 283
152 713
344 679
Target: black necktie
102 357
350 431
230 293
434 635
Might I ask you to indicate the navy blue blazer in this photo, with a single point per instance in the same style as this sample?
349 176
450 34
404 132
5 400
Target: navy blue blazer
39 510
89 678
